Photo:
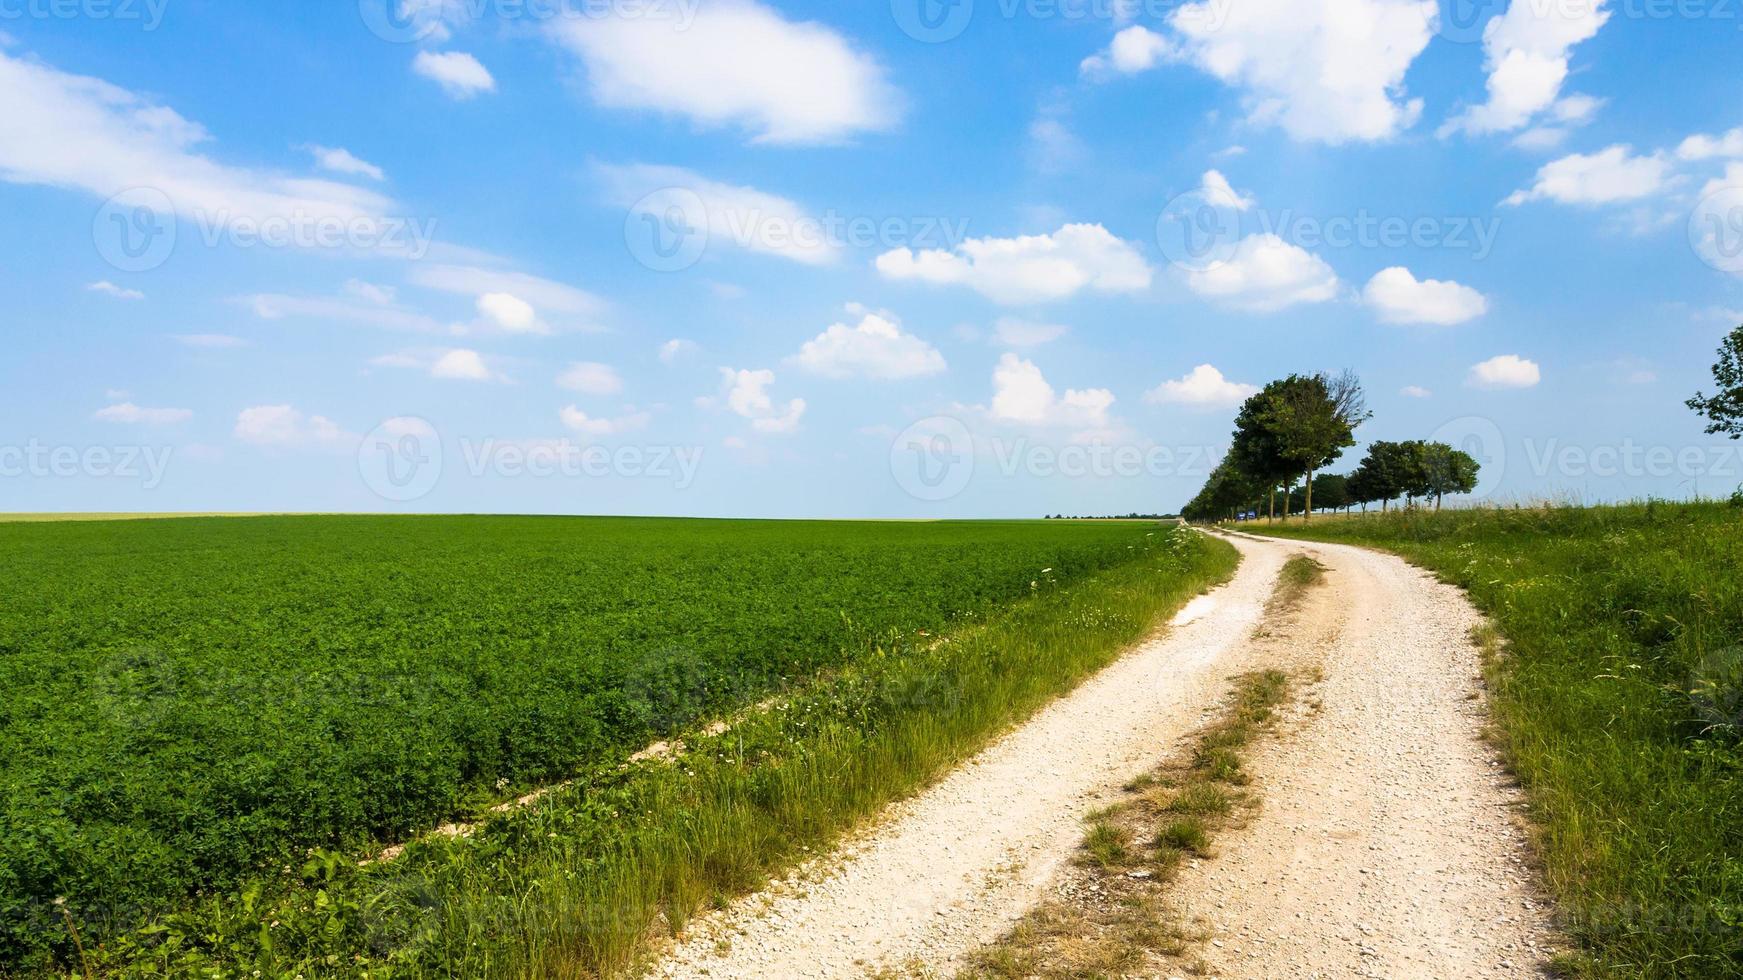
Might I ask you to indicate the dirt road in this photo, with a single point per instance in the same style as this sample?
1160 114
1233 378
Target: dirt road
1386 846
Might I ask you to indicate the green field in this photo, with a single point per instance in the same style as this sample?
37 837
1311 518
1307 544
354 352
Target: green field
207 721
1619 702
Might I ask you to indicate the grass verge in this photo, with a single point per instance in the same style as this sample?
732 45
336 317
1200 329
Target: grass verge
1616 691
591 878
1114 919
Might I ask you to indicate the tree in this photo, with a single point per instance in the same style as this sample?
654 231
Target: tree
1312 420
1383 472
1724 410
1446 470
1255 451
1332 490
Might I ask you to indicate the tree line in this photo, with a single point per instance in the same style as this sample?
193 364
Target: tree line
1294 427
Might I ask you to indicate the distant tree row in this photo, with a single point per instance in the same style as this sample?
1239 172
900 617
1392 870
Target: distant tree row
1302 423
1112 517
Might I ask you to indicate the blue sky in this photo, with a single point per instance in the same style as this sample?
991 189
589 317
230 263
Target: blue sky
883 260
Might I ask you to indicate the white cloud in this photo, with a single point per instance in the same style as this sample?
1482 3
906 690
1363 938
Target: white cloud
736 63
132 414
747 394
1013 332
1399 297
1608 176
1264 274
285 426
677 348
1505 371
1703 147
591 378
475 281
1329 71
730 215
208 340
1415 391
379 295
460 75
1029 268
1215 188
1202 387
341 161
510 314
1053 147
1132 50
277 306
74 131
1526 55
447 364
1022 395
108 288
461 364
874 348
579 421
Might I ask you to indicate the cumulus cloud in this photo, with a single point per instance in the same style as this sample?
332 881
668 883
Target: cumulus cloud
1134 49
576 307
342 161
737 63
1013 332
510 314
449 364
591 378
1264 274
1526 55
1029 268
74 131
285 426
747 395
687 203
1505 371
1396 296
131 414
578 421
1606 177
875 347
1022 395
1415 391
108 288
677 349
459 74
1202 387
1329 71
1703 147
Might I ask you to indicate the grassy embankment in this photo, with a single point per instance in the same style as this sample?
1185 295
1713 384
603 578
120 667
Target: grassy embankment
1617 696
218 719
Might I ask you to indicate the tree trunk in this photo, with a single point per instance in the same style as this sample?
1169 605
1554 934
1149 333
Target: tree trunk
1307 499
1271 513
1437 503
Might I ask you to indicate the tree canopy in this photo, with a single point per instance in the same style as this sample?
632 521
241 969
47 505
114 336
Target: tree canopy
1724 408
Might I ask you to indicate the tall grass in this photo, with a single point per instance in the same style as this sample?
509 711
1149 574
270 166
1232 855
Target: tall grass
1618 699
586 882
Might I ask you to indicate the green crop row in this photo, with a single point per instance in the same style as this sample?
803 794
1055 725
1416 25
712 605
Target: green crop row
196 706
